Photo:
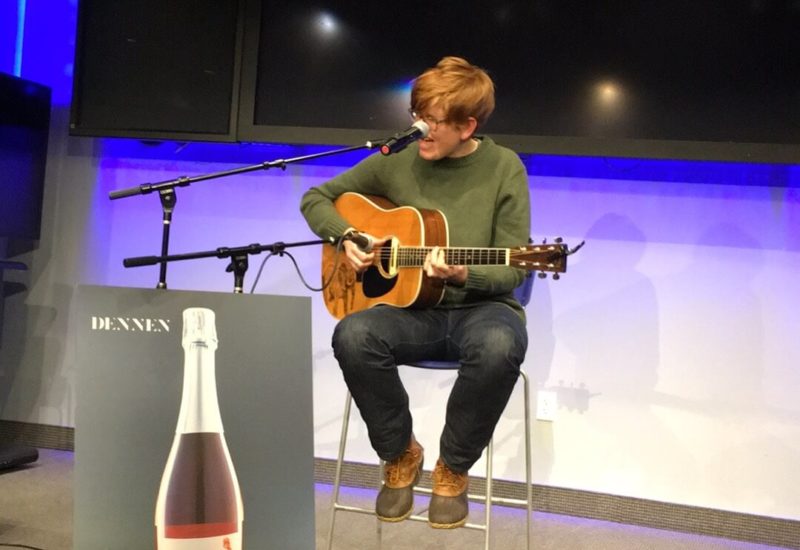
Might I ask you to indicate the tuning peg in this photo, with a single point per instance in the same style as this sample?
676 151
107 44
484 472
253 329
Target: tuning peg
556 276
559 240
541 275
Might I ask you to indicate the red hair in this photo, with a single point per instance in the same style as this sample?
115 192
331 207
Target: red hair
461 89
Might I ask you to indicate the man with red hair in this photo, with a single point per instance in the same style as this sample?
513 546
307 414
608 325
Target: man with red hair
481 189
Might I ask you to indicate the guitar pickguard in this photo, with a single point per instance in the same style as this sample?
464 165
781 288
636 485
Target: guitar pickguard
340 294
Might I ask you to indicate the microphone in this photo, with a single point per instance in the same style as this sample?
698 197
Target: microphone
400 141
364 242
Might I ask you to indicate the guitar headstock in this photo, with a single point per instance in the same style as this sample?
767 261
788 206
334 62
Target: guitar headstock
544 257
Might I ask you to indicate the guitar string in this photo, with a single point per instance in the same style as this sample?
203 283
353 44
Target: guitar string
413 256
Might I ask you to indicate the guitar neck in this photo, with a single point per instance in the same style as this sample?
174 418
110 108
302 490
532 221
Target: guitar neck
414 256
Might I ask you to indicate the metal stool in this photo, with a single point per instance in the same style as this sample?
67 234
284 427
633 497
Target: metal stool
522 293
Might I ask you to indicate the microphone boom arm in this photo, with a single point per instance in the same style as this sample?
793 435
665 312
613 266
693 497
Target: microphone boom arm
184 181
238 256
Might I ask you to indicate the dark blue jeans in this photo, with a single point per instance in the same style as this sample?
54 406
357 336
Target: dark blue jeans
489 341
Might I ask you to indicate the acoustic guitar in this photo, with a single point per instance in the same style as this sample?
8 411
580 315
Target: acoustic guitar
397 277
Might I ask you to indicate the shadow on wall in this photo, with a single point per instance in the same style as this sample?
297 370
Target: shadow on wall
613 334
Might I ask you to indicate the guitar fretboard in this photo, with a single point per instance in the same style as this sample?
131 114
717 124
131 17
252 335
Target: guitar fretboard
414 256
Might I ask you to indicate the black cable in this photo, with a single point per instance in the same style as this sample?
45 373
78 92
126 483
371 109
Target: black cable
325 284
11 545
258 275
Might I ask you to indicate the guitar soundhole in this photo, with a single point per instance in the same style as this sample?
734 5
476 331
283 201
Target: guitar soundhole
375 285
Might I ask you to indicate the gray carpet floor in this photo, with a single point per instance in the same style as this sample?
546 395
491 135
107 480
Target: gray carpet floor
36 513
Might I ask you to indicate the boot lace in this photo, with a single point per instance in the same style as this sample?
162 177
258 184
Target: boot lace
400 468
444 476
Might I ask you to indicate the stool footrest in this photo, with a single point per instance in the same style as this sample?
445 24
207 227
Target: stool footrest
473 496
355 509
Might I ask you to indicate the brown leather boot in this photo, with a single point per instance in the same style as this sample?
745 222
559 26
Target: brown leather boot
395 501
449 504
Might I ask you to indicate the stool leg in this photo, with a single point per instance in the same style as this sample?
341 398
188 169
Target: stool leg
378 522
337 478
488 520
528 481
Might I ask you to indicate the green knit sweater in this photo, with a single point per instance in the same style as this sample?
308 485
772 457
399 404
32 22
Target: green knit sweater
483 196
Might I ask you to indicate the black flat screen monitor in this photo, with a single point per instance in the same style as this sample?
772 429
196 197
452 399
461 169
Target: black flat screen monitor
633 76
24 130
156 69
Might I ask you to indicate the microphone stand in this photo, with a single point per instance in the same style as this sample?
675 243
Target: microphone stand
238 255
168 197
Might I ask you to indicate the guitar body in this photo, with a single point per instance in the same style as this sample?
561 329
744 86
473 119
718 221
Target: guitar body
408 287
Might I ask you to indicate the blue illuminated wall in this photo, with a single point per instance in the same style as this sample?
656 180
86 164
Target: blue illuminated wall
37 42
11 23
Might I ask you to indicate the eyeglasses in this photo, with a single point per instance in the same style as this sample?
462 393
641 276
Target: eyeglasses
429 120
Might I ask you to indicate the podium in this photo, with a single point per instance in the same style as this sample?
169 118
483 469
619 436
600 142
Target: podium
129 375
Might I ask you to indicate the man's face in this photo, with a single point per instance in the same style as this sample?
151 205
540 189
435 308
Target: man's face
446 138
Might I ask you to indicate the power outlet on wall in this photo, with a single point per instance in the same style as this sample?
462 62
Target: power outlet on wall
546 405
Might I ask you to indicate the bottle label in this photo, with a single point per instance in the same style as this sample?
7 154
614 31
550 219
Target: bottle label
199 530
232 541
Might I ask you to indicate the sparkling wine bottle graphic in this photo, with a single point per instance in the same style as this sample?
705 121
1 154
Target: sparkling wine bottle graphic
199 505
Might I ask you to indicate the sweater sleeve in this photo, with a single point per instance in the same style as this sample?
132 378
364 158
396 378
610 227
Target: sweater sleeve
511 229
317 203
